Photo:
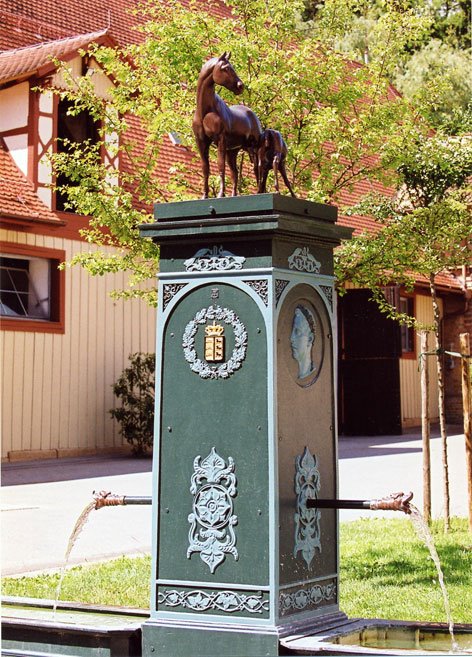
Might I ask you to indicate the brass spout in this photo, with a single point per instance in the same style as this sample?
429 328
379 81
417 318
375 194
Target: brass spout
393 502
104 498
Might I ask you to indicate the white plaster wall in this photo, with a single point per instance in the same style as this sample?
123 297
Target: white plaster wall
18 147
75 66
44 171
45 194
101 83
14 104
46 102
45 130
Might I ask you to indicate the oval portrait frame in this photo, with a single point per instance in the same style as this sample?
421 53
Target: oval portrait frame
319 341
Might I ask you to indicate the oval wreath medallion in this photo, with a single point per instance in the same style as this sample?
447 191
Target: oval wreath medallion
202 368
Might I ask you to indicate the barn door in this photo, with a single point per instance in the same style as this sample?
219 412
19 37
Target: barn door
369 368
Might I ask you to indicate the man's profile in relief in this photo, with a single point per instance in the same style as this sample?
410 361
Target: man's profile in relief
302 339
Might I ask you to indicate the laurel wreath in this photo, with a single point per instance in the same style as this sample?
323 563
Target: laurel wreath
200 367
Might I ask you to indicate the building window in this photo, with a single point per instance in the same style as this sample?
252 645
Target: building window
407 307
31 288
25 287
72 129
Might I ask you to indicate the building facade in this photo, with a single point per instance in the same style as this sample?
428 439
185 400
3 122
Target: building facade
65 340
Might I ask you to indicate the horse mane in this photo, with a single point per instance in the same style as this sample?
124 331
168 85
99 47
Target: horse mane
207 67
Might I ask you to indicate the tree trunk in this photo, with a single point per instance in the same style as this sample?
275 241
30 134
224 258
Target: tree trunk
467 407
442 415
425 426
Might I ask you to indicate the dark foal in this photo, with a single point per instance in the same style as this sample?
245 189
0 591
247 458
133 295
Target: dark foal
230 128
271 154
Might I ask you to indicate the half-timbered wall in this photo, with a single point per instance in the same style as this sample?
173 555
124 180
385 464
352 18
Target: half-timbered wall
57 388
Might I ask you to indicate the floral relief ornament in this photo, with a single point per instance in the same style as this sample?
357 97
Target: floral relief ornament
212 521
307 521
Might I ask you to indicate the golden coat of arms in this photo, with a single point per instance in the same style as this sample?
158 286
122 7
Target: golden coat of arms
214 343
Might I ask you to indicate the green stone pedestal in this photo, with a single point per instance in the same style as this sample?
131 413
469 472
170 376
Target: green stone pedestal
245 425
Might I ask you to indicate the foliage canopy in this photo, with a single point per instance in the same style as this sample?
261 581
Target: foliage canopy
343 122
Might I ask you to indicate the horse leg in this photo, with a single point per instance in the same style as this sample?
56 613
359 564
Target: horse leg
263 173
204 150
253 156
275 167
221 165
231 158
286 180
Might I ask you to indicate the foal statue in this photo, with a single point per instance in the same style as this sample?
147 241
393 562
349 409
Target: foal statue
271 154
230 128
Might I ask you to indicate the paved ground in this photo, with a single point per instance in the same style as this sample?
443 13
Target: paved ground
42 500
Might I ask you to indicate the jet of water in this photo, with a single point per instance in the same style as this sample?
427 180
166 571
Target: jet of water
79 525
424 534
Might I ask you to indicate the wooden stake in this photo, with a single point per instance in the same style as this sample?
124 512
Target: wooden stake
425 427
467 409
441 406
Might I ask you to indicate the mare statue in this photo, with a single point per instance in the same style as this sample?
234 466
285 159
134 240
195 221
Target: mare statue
230 128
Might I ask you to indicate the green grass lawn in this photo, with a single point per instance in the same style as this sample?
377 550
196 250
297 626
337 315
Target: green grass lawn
386 572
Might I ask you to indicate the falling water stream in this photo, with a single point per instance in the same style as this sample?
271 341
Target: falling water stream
79 525
422 530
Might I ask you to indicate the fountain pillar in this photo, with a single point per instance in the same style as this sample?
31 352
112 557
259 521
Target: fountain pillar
245 427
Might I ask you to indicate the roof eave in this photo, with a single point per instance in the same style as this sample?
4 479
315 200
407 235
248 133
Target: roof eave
49 68
9 219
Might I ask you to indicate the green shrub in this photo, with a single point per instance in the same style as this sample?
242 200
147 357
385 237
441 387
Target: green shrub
135 388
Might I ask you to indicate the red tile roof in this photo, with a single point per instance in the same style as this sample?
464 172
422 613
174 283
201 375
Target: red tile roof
18 199
23 23
21 63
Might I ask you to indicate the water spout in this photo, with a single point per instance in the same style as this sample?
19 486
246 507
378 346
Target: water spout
105 498
392 502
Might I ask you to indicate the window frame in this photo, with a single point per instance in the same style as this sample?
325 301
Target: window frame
57 283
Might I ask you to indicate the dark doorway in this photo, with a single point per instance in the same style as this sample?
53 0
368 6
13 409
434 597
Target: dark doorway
369 381
72 128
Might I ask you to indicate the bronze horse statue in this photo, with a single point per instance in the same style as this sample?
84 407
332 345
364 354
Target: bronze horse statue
231 128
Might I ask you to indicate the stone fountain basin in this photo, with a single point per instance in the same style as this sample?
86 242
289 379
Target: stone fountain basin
381 637
30 627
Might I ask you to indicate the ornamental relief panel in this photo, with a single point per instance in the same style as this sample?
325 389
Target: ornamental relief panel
212 521
214 259
169 292
307 521
227 601
328 293
306 598
260 287
302 260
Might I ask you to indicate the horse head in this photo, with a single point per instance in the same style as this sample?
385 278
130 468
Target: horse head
225 75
